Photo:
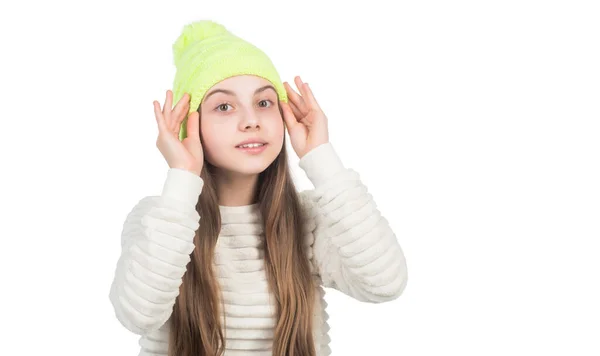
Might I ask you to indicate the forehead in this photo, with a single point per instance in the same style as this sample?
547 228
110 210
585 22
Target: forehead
241 83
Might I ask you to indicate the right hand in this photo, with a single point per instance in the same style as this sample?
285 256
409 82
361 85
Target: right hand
186 154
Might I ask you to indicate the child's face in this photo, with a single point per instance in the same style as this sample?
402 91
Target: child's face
229 119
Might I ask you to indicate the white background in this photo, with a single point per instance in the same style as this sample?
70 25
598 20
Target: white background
474 124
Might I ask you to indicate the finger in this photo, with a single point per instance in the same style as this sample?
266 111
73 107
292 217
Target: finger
301 87
183 102
299 83
181 109
295 98
168 108
193 126
295 110
288 116
295 129
160 120
310 97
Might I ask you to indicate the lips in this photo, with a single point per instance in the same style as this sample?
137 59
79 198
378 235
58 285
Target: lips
254 150
251 145
251 141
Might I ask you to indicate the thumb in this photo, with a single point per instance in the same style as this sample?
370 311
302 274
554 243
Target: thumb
193 126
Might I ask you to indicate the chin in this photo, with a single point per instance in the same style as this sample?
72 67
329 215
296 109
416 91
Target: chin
249 171
249 167
252 166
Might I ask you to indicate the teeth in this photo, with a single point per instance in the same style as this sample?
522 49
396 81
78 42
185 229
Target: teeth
250 145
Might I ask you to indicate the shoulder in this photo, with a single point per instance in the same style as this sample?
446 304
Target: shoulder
163 208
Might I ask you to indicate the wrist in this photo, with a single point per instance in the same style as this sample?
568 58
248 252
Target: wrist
182 185
321 163
194 170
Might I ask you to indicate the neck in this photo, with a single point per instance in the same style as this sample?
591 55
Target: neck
236 189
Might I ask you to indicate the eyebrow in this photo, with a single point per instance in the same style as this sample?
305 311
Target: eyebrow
229 92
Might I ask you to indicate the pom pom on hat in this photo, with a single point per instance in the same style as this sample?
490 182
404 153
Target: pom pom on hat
206 53
195 32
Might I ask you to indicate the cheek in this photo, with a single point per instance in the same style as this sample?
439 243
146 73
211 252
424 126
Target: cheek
211 143
277 134
277 127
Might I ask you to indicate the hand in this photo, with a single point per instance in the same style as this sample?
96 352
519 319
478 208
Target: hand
304 119
186 154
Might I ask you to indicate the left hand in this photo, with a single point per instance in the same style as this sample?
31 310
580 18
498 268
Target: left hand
305 121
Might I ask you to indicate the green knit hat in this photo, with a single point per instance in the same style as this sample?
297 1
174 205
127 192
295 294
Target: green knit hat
206 53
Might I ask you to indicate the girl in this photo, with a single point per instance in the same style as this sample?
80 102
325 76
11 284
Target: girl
230 259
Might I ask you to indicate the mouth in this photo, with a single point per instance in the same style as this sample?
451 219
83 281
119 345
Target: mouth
252 147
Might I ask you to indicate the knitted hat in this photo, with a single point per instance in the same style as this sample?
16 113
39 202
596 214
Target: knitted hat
206 53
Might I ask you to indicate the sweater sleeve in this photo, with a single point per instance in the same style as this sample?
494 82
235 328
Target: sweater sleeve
156 243
354 249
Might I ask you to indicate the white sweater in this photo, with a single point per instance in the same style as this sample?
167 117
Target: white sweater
349 243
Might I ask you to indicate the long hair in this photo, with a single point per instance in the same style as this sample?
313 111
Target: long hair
196 319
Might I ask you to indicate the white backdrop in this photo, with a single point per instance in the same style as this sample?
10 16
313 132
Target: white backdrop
474 124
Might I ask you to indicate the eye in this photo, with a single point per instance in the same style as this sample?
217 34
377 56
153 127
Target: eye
222 105
264 101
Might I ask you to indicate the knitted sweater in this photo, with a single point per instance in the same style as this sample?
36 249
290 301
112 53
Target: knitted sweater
349 244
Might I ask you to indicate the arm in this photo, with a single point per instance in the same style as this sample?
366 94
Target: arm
156 243
354 248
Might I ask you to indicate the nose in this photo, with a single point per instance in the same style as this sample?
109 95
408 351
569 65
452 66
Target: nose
251 125
250 122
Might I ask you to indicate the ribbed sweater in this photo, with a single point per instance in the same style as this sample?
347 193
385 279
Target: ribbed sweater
350 247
